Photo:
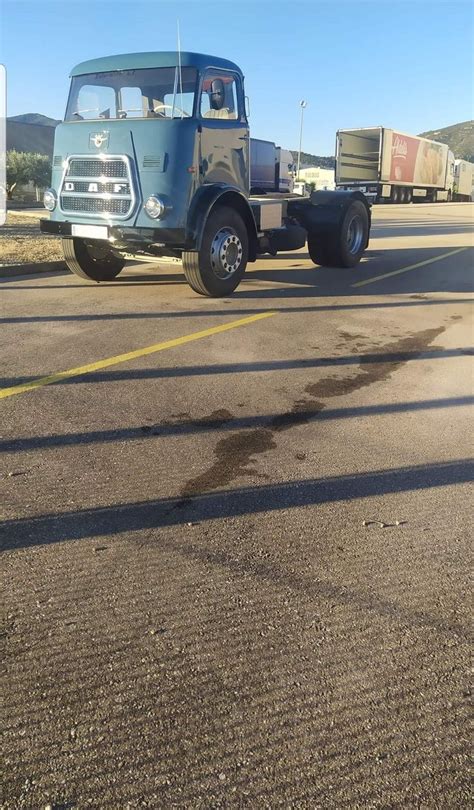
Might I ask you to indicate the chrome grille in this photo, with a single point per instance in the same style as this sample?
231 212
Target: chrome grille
98 187
94 206
80 167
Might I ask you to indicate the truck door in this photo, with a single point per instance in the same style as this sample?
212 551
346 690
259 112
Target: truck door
224 148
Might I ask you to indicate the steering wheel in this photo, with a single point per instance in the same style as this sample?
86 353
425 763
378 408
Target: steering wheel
160 109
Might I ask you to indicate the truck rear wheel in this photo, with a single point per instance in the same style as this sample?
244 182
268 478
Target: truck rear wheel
218 267
91 260
345 247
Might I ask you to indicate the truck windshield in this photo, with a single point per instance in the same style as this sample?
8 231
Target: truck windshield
143 93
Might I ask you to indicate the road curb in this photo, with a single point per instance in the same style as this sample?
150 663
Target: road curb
31 269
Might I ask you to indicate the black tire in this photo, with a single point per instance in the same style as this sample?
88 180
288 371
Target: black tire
450 196
409 195
219 266
345 246
434 196
318 249
93 261
395 195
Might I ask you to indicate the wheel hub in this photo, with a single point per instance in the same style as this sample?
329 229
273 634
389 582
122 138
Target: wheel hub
226 253
355 234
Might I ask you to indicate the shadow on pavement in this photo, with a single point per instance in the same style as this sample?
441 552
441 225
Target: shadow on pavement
130 517
205 313
159 372
318 281
220 422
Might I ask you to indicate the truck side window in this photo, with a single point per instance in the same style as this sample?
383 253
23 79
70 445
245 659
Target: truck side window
219 96
131 103
93 102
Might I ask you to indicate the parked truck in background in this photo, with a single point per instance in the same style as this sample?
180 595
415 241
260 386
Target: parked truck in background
463 189
271 167
153 160
389 166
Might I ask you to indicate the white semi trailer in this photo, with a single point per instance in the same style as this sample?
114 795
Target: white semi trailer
463 189
387 165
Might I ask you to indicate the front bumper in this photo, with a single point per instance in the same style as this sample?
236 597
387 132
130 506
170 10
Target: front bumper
156 241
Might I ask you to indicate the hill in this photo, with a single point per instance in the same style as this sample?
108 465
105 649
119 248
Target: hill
308 159
31 133
30 137
459 137
34 118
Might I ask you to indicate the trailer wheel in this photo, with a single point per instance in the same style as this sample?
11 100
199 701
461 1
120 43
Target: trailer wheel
409 195
434 196
345 246
218 267
91 260
395 195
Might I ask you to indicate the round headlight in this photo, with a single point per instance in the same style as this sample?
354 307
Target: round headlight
49 199
154 207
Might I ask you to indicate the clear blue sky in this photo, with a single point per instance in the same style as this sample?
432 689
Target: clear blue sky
401 63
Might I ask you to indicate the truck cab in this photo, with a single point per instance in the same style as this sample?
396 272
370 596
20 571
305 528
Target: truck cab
153 159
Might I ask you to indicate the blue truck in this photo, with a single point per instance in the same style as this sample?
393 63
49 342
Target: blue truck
153 159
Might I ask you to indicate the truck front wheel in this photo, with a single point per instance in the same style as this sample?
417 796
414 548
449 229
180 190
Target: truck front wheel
345 246
91 260
218 267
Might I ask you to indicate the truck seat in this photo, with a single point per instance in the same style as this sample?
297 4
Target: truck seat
222 113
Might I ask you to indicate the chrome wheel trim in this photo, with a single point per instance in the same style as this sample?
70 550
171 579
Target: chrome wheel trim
226 253
355 234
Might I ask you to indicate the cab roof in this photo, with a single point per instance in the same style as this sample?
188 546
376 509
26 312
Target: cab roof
151 59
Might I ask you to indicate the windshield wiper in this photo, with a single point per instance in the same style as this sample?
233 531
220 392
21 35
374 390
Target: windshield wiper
131 109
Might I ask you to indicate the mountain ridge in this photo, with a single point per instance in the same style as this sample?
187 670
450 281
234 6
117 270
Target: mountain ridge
459 138
34 118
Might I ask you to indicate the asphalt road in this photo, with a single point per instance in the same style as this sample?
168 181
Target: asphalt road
197 614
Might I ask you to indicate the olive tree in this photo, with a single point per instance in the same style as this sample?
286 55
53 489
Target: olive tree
40 170
23 167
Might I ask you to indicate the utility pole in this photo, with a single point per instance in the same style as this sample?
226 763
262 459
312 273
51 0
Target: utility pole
303 104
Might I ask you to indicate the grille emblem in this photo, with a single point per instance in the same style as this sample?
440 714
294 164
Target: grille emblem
99 139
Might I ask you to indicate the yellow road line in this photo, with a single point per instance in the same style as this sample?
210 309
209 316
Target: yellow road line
410 267
123 358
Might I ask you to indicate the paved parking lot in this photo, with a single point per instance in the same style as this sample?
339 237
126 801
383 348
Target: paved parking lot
237 531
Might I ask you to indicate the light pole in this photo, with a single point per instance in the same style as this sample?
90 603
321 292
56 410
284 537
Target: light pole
302 105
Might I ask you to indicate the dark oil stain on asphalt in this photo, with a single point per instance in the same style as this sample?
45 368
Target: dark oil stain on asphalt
371 372
214 420
234 454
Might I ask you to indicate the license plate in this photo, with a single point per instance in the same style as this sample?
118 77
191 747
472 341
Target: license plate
90 231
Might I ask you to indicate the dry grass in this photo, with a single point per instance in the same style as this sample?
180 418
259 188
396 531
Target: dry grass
21 241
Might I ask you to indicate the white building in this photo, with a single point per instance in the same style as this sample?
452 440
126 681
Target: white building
322 178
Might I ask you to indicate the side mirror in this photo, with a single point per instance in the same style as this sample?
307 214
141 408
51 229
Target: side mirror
247 107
